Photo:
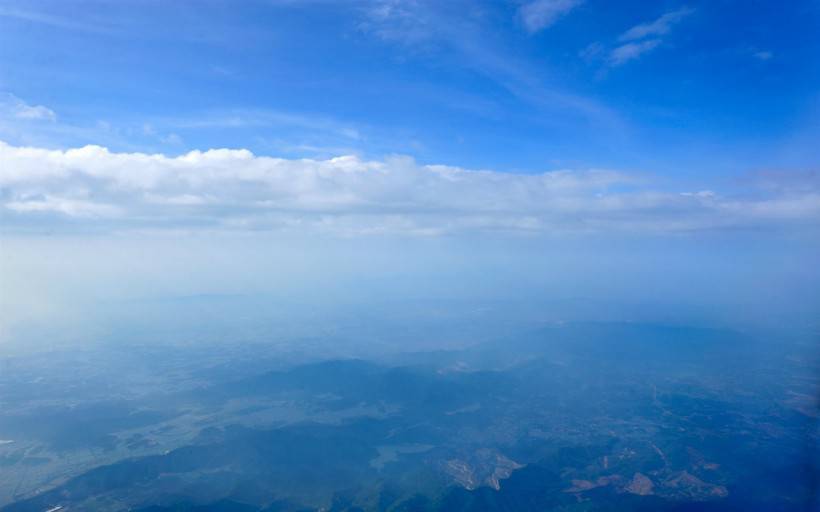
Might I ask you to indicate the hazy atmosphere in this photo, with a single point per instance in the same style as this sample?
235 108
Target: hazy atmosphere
281 255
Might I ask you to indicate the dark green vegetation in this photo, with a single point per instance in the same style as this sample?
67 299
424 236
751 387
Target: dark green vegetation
579 417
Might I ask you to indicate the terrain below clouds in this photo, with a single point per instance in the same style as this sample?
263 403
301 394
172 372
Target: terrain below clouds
577 417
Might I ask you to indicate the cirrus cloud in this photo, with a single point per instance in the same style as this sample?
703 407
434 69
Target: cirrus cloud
631 51
658 27
645 37
540 14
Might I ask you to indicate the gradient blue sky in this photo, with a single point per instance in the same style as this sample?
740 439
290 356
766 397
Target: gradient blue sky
687 90
659 153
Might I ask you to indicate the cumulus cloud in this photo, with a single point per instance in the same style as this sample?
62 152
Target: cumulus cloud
224 189
540 14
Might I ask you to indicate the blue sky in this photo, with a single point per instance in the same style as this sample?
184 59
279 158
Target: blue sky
685 90
631 152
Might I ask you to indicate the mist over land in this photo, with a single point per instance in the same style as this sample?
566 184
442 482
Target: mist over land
482 373
388 255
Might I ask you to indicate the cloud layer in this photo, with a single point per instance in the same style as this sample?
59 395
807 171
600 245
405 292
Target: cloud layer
221 189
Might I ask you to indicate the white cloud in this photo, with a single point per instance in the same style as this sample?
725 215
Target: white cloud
181 200
630 51
540 14
13 107
225 189
64 205
659 27
408 22
35 112
644 38
261 119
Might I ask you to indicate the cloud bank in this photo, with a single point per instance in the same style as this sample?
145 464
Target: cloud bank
221 189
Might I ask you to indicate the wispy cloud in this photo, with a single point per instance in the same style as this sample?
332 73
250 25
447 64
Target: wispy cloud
763 55
645 37
59 22
13 107
424 24
631 51
245 118
25 123
398 20
540 14
237 190
659 27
